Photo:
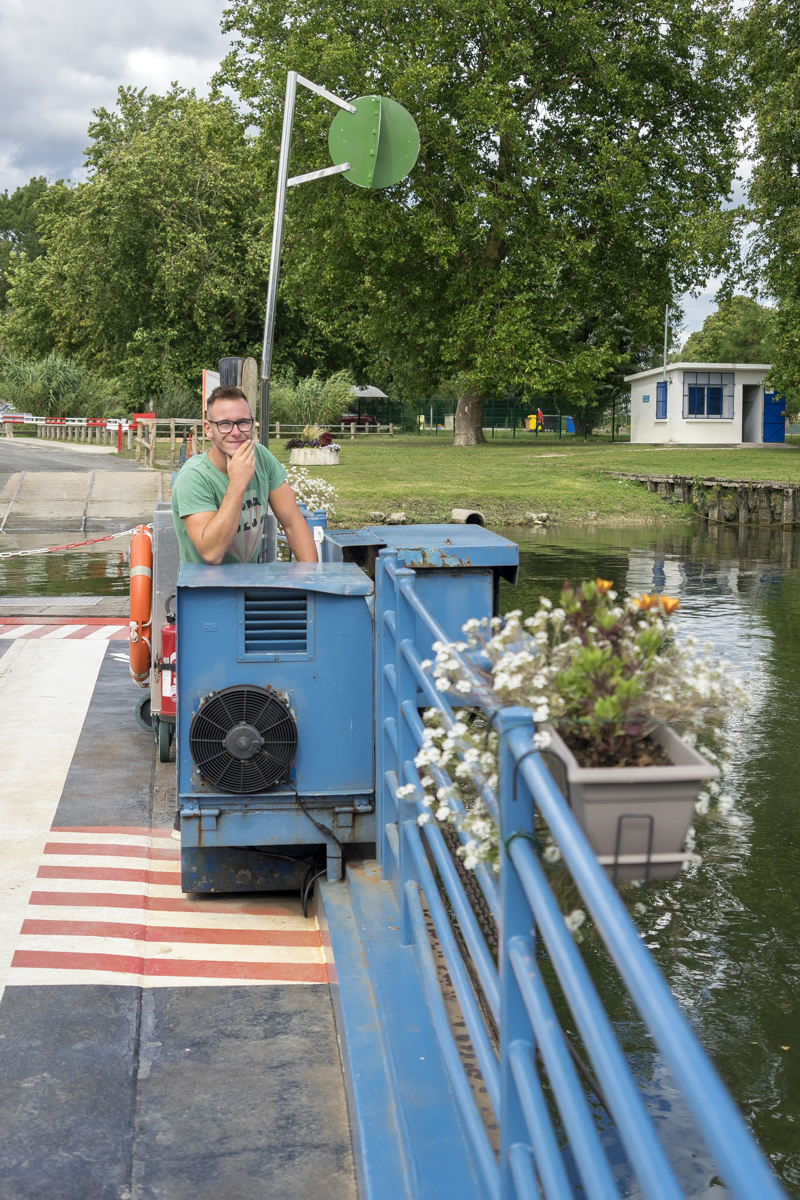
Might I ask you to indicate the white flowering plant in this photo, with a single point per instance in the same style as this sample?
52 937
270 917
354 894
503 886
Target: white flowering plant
605 674
315 493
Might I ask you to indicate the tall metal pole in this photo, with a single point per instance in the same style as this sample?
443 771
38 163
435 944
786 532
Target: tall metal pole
275 255
666 332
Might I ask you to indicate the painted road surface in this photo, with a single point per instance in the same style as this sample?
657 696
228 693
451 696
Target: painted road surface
153 1044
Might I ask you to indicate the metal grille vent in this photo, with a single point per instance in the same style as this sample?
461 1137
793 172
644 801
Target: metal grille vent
276 622
243 739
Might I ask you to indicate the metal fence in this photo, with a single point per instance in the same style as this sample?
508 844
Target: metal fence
551 1143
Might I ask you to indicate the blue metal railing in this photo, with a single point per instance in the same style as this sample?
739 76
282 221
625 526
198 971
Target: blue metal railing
532 1159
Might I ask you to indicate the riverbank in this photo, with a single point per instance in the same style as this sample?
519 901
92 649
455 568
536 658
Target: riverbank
427 477
573 482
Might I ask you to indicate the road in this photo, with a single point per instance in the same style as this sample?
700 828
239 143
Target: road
50 456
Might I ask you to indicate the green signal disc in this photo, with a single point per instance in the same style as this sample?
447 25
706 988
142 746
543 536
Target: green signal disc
380 140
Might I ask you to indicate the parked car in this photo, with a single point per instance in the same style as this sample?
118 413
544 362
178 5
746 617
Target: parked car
355 419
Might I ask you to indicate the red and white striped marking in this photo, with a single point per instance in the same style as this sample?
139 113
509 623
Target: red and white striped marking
107 907
75 631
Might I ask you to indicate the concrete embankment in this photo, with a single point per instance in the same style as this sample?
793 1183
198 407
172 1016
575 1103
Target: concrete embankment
727 501
88 500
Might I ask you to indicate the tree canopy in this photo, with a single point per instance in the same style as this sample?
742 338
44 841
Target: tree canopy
771 50
573 163
19 232
155 266
741 330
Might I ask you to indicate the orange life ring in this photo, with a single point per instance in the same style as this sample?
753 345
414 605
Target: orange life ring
141 615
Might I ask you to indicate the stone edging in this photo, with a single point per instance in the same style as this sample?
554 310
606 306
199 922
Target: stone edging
727 501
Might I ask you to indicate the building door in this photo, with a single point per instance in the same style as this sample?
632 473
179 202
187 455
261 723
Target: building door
774 417
752 412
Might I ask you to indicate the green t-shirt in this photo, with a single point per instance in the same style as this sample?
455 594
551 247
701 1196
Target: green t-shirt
200 487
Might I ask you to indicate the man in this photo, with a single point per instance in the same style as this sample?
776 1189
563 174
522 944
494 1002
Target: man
219 500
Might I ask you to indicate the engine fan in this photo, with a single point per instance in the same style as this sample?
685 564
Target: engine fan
243 738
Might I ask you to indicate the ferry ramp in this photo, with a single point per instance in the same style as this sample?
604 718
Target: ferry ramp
87 499
152 1045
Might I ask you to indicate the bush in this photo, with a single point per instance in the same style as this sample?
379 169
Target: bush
57 386
176 400
310 401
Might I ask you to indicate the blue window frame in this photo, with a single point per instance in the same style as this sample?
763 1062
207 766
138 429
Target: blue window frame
714 395
708 394
661 401
697 402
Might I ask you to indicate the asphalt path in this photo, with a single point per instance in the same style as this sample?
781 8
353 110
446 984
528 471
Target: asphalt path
14 457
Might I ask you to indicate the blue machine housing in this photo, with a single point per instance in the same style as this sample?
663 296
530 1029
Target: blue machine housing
321 665
459 567
325 672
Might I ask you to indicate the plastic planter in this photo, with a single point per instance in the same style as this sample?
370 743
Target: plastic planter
636 818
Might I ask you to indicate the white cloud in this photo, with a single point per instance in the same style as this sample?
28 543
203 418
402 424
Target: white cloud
62 58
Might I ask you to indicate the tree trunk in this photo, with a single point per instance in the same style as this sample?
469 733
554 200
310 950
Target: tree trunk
469 419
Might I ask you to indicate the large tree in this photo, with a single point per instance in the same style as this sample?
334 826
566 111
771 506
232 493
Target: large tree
574 159
771 36
19 227
155 266
741 330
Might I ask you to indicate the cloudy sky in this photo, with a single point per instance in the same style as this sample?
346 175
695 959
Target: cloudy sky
62 58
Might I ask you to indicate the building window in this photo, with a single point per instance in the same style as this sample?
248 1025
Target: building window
708 394
661 401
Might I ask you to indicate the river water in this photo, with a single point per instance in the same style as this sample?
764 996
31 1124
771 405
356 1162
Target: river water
727 932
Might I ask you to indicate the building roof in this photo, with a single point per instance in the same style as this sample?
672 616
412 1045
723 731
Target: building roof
699 366
368 393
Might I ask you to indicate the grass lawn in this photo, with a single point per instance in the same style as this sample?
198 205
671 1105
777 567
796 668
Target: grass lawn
427 476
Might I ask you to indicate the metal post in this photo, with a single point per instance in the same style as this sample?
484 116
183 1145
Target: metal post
386 759
666 332
560 416
613 413
516 817
405 628
275 255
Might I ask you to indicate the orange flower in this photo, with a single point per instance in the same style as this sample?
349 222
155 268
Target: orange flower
604 585
645 602
669 604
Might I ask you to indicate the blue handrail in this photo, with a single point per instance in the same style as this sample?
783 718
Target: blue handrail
511 997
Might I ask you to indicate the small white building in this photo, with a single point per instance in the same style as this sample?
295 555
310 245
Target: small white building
705 404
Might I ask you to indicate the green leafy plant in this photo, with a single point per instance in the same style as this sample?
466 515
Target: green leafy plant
604 674
313 400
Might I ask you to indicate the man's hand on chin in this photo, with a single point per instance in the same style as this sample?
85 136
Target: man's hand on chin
242 465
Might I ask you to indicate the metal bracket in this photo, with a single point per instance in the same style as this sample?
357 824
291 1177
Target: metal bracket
321 174
208 816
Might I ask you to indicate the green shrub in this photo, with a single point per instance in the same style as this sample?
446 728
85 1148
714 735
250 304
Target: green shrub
310 401
57 386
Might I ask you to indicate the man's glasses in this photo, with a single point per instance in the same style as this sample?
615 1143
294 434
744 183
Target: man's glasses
246 424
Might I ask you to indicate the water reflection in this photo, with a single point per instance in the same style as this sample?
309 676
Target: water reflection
726 933
98 570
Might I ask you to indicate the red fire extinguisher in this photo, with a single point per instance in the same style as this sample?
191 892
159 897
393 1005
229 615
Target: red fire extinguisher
168 672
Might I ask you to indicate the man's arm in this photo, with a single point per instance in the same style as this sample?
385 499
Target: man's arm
213 532
295 526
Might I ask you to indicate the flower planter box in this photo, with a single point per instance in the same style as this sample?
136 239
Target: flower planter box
314 456
636 818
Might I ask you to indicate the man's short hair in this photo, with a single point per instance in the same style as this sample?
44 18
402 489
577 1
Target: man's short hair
225 393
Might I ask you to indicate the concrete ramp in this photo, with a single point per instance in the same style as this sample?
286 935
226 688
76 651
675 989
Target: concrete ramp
102 501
